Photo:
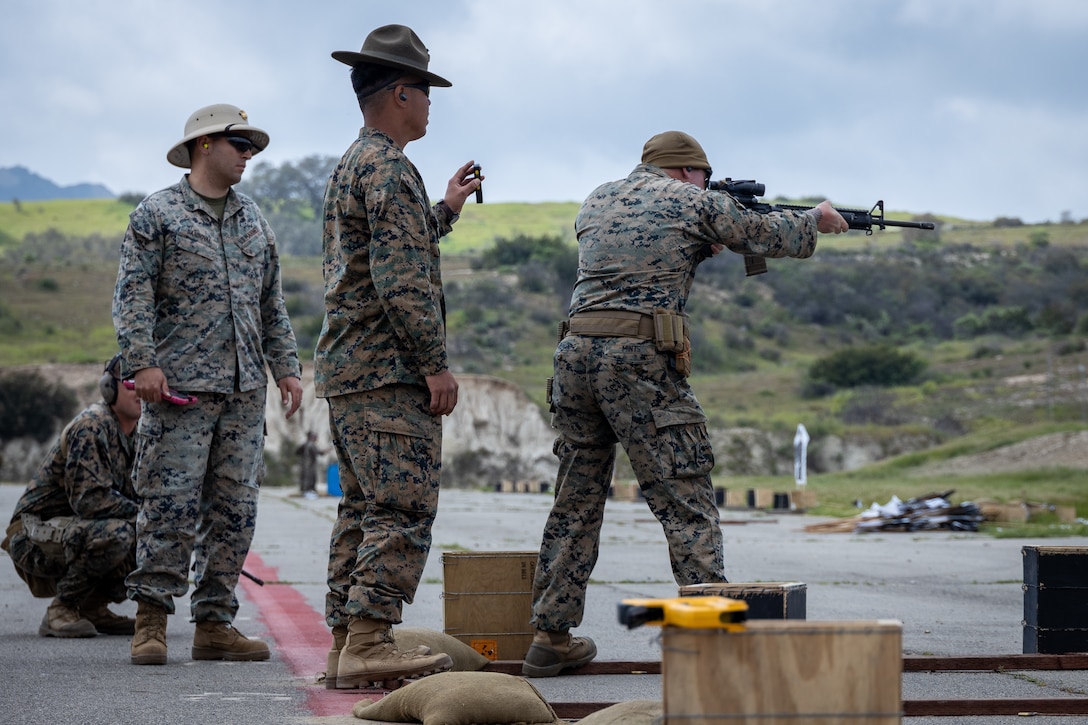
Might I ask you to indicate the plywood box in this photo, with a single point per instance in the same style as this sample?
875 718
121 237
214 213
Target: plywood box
1055 599
764 498
1066 514
802 499
765 600
625 491
783 673
487 601
1005 512
736 498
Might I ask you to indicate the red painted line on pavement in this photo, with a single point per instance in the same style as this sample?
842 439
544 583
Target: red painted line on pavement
302 638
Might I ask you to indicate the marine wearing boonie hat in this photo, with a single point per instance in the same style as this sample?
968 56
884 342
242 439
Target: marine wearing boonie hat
217 118
674 150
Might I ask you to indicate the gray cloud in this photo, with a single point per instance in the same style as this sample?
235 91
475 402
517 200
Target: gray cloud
973 108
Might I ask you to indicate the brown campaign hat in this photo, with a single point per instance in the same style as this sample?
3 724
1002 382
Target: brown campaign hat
674 150
394 46
219 118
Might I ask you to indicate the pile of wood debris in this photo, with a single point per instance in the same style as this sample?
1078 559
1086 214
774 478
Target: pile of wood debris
925 513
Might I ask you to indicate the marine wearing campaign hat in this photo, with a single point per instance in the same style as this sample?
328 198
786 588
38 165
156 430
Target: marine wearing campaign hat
394 46
382 356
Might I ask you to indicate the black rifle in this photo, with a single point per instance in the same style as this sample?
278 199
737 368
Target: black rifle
747 191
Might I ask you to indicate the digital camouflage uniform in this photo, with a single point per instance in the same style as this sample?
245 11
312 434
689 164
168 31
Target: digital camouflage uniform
640 240
383 333
201 299
83 497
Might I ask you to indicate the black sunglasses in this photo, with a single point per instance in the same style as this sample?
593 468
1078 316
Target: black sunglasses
425 87
706 174
241 144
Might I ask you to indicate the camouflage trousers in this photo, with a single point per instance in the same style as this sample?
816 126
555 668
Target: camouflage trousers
92 557
610 390
197 475
389 449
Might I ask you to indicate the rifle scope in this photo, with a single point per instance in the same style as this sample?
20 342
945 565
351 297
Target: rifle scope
740 187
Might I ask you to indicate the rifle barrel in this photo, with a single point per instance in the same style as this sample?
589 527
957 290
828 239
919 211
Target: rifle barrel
909 225
863 217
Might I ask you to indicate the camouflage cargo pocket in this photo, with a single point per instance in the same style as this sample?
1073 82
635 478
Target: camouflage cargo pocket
403 454
683 443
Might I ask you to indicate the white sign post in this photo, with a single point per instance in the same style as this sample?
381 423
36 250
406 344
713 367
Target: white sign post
800 454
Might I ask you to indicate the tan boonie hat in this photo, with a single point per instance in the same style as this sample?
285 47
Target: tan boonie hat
394 46
220 118
674 150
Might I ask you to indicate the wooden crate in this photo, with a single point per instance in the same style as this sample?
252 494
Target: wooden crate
736 498
765 600
487 601
802 499
763 498
625 491
784 673
1055 599
1004 512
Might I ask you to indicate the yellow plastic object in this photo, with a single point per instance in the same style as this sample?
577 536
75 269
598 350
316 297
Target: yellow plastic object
687 612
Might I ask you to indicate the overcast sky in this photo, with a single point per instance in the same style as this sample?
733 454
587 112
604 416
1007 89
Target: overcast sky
970 108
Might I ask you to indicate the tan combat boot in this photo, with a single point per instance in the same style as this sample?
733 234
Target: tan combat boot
221 641
552 652
61 620
149 639
332 659
371 655
95 610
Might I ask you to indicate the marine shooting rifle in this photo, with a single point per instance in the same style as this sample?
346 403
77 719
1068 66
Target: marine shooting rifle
746 192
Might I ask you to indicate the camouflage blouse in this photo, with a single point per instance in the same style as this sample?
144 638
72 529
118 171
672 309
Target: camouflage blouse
86 472
201 298
641 238
384 317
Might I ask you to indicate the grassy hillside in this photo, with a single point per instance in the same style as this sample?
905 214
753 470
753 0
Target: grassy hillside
55 303
977 394
481 223
71 217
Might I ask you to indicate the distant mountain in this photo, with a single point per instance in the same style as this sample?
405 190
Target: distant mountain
19 182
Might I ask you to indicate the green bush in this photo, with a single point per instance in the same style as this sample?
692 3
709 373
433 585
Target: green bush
878 365
131 198
1011 321
32 406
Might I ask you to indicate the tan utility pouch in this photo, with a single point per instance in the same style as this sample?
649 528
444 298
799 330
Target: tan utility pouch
670 331
682 361
671 336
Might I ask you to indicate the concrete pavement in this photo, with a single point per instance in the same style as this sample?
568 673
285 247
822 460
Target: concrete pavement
955 593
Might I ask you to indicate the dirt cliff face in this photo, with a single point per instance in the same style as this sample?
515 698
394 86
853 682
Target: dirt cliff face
497 435
1056 450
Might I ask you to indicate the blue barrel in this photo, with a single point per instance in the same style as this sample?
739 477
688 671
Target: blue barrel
332 480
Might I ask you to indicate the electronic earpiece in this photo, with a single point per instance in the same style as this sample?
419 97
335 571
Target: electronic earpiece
403 97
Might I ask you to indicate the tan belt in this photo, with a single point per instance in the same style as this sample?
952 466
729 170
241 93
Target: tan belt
612 323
